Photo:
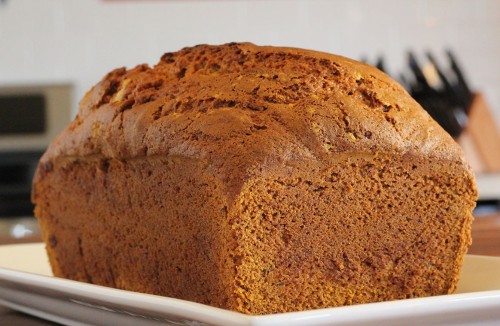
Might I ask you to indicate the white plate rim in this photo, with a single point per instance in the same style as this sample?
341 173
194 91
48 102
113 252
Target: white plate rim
474 304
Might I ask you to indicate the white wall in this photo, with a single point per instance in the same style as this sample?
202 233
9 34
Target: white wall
80 40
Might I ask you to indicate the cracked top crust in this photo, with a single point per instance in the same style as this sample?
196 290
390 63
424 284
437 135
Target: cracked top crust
251 106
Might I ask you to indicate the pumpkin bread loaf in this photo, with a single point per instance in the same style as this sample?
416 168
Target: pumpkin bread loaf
256 179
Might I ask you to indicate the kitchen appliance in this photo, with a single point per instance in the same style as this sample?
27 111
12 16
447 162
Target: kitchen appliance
30 117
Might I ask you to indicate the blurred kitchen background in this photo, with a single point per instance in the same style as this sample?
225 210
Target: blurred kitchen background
445 52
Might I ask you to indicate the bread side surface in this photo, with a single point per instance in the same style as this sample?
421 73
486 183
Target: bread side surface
154 225
260 159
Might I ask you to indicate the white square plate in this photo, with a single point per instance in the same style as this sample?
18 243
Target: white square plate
26 284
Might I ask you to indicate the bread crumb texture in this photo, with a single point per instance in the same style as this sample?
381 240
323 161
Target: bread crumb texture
256 179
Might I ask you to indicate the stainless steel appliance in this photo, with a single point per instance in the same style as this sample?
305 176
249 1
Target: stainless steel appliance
30 117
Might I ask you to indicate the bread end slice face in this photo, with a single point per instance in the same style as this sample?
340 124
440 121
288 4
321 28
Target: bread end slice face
365 229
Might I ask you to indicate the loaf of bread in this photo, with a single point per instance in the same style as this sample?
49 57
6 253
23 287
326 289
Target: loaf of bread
256 179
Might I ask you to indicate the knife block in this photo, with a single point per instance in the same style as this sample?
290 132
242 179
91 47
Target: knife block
480 139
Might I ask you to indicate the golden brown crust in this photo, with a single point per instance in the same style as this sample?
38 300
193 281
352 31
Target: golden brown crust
311 104
272 179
